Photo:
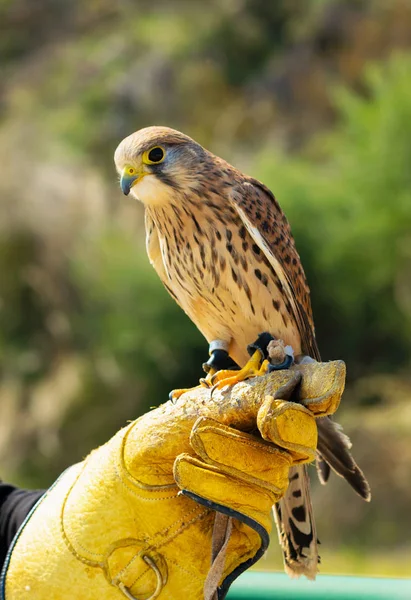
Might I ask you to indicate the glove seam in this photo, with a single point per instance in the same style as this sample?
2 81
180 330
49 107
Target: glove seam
179 566
273 448
124 569
103 556
236 475
199 517
250 486
121 468
99 557
65 537
158 544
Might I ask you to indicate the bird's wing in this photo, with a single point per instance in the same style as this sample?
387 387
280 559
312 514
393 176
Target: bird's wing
269 228
267 225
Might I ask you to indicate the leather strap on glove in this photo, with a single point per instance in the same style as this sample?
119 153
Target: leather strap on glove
135 519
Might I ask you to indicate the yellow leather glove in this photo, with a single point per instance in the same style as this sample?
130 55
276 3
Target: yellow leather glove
135 519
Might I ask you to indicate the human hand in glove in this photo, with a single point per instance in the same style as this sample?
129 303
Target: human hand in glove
135 519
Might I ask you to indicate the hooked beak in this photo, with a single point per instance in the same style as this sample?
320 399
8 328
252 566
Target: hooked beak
127 181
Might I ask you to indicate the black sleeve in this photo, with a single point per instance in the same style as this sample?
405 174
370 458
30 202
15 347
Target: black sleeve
15 504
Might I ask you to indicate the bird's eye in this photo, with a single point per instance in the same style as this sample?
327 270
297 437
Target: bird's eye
155 155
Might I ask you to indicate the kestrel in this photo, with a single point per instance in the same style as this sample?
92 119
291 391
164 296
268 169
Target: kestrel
223 248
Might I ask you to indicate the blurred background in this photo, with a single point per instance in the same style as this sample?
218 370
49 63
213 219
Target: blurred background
314 99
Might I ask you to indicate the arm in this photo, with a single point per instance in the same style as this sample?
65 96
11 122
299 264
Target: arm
15 504
136 518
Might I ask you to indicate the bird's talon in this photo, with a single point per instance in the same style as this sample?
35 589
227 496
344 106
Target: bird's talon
174 395
212 390
205 382
219 376
255 366
221 385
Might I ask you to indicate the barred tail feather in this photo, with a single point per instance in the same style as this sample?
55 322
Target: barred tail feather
295 523
323 469
334 447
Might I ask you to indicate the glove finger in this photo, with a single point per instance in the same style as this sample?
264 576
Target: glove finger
321 387
241 455
216 489
290 426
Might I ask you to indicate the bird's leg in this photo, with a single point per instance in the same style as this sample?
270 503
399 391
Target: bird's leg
257 365
219 359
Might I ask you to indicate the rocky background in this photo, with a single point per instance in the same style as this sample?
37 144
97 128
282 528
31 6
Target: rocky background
314 98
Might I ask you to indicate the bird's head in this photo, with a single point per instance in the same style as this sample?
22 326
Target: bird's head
155 162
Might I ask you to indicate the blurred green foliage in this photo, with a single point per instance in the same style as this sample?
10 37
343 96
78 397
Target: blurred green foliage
348 198
313 99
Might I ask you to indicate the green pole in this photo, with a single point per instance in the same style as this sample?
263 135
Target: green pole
256 585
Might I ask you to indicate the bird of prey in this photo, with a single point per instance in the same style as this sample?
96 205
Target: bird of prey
223 248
